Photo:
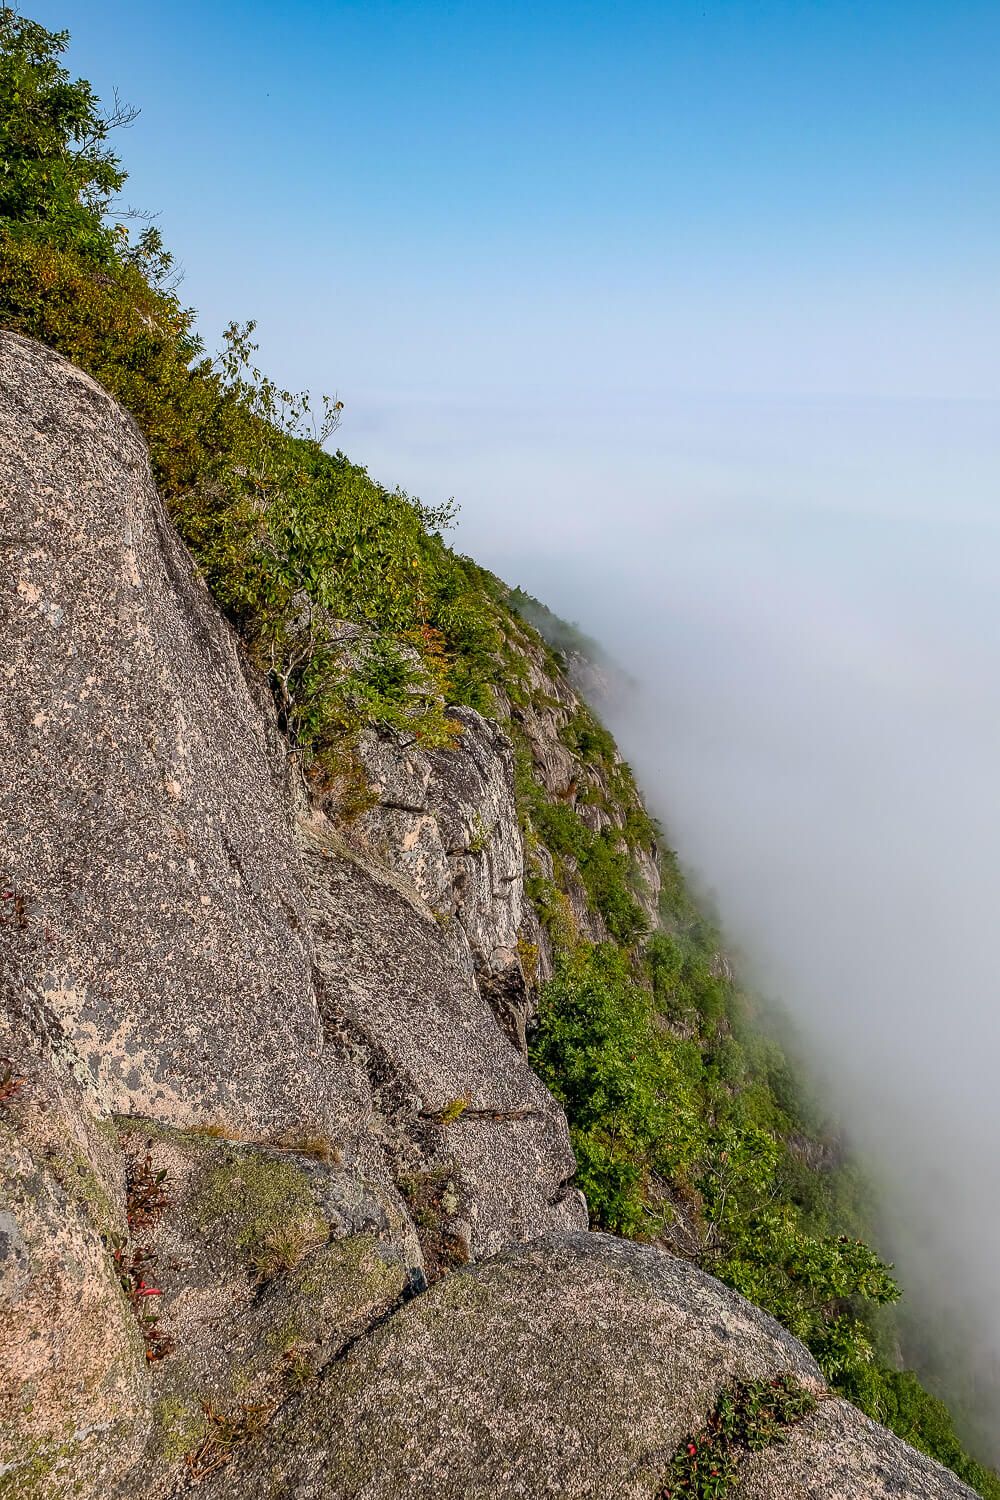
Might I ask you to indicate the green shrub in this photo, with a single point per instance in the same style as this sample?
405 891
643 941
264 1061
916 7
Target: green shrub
629 1105
644 1118
747 1418
58 176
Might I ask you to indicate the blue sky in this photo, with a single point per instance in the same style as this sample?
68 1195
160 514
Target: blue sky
542 250
714 197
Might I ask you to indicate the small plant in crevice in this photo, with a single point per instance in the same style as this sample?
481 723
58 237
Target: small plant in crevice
527 953
462 1109
133 1267
480 835
146 1197
146 1194
11 1082
449 1112
747 1418
285 1246
431 1199
212 1130
311 1144
227 1432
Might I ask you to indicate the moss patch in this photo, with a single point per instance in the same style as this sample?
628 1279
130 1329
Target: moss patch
180 1426
263 1209
73 1172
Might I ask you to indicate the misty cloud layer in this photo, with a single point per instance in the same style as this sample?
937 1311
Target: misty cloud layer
809 599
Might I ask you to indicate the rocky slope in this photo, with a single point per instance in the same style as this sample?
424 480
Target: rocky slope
285 1210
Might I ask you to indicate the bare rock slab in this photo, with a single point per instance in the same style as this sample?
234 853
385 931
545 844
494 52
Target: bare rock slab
571 1367
145 842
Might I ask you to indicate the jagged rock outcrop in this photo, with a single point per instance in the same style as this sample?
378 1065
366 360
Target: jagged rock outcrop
183 942
403 987
255 1098
447 819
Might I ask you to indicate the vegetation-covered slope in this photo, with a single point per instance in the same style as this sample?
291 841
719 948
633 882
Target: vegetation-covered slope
688 1125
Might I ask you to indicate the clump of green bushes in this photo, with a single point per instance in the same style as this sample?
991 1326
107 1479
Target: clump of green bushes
291 539
747 1418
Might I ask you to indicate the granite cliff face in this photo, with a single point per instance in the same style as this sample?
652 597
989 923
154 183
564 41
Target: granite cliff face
285 1210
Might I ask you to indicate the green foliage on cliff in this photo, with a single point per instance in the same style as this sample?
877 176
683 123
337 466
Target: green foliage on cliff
686 1121
58 175
291 539
565 638
689 1129
664 1134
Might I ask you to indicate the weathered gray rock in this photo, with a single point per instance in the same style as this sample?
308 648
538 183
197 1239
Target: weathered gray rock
269 1261
471 793
447 819
571 1367
74 1391
152 891
839 1454
402 985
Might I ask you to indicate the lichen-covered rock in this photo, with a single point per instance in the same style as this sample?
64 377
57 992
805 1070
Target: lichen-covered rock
839 1454
268 1262
447 819
74 1389
471 793
572 1367
151 890
402 985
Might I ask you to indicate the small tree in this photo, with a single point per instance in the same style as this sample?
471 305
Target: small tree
57 175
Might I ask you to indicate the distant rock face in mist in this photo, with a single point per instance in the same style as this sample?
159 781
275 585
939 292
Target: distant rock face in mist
364 1270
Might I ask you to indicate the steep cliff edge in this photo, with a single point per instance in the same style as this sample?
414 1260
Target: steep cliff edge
286 1211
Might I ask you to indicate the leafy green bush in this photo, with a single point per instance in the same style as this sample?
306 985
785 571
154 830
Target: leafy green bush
630 1107
646 1116
58 176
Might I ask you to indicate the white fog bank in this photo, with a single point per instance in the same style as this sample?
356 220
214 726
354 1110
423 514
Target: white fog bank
809 600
